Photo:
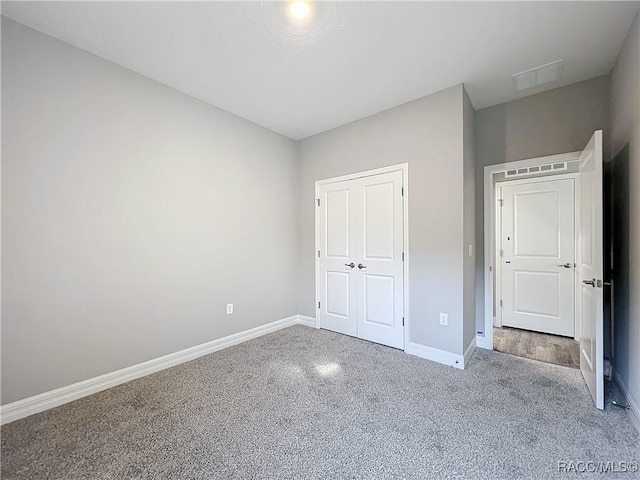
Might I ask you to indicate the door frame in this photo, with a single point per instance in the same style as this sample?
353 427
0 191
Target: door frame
497 321
490 205
404 168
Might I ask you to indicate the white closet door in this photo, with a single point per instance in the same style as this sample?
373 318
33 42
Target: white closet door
379 278
360 267
337 287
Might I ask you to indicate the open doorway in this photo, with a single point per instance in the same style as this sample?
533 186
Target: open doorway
536 243
544 260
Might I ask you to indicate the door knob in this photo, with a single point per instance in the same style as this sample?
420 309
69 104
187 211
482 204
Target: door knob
361 266
590 282
566 265
350 265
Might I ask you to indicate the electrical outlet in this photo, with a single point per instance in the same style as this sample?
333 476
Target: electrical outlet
229 308
444 319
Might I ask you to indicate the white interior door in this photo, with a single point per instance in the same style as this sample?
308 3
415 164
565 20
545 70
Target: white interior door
591 268
336 280
538 256
379 235
360 265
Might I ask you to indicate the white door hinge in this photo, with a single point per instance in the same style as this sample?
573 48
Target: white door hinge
318 253
501 201
500 302
318 304
403 256
403 321
318 200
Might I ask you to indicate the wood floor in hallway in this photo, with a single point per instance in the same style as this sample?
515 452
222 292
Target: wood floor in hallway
537 346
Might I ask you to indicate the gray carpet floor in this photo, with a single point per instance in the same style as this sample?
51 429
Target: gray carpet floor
305 404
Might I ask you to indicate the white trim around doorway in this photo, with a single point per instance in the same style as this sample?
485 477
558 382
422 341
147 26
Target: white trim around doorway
490 215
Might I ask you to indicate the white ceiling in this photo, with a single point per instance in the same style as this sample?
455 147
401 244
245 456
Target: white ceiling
351 60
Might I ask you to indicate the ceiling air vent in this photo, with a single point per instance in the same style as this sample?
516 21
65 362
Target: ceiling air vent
537 76
551 167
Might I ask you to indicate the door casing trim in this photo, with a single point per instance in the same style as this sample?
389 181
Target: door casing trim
490 214
404 168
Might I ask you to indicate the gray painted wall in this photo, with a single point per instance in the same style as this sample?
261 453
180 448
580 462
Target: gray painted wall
469 313
426 134
557 121
131 215
625 149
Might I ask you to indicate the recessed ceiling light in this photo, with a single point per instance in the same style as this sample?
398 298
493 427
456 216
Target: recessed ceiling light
299 9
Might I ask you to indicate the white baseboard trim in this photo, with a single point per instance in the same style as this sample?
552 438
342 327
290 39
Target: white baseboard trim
59 396
468 352
435 355
634 411
307 321
483 342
